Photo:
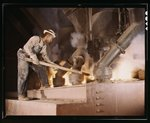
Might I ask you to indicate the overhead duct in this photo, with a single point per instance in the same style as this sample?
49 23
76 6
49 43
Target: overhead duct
122 43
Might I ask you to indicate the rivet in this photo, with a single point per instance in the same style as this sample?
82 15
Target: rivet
97 98
97 92
99 111
99 104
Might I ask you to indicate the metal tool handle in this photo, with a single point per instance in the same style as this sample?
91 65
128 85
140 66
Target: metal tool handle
53 65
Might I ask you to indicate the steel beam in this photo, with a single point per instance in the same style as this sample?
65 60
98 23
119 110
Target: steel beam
94 99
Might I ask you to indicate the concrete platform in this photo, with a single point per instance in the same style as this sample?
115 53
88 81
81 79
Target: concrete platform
77 92
94 99
15 107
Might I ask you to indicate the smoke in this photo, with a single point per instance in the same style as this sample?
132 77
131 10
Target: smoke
77 39
54 53
133 59
136 52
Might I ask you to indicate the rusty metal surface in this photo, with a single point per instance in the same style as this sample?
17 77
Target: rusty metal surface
79 109
130 98
109 99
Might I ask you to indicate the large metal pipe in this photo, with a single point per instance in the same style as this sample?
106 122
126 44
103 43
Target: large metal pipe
122 43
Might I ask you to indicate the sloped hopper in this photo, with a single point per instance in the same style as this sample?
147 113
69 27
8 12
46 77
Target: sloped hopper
102 99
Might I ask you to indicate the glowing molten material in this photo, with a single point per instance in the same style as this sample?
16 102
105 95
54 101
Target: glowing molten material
123 71
51 75
66 77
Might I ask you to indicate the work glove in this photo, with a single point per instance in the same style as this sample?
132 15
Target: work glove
35 59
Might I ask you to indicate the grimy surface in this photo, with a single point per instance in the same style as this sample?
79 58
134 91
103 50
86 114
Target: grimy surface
102 99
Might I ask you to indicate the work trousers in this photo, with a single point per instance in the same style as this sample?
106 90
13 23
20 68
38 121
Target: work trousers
23 71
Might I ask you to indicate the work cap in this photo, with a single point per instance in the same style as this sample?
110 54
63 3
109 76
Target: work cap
50 32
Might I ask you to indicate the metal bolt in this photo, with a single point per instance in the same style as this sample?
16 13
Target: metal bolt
99 104
97 92
97 98
99 111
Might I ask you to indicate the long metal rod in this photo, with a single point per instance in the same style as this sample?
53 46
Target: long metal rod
53 65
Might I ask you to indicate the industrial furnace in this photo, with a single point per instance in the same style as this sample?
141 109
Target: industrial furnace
99 70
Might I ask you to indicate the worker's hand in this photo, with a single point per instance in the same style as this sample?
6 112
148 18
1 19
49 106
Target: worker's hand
36 62
35 59
55 69
21 55
50 62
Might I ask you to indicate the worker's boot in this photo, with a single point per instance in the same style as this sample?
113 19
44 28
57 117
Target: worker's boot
44 86
47 86
22 98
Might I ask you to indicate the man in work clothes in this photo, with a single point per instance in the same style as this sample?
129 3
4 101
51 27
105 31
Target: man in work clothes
34 49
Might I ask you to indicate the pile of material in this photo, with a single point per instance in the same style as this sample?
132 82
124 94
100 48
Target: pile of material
139 74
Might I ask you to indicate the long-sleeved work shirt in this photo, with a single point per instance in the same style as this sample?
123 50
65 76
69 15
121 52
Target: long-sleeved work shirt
35 46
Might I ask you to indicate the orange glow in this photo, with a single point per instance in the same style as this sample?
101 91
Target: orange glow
66 77
84 80
51 75
67 82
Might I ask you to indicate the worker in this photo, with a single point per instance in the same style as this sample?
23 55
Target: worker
36 49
